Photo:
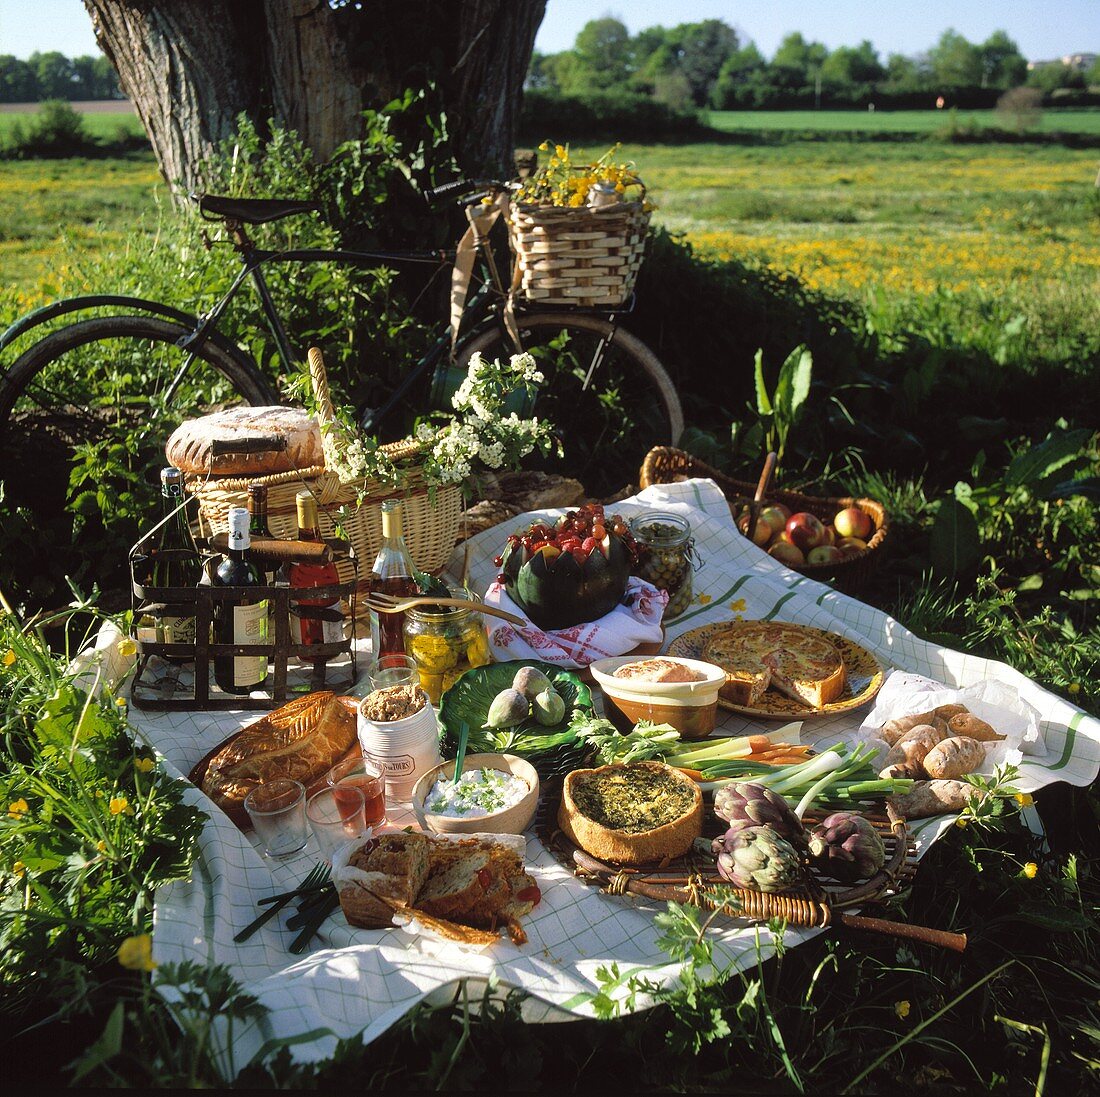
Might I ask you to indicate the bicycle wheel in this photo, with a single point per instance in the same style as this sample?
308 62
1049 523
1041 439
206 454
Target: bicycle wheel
84 415
606 393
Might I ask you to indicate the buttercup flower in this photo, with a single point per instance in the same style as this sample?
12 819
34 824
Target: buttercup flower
144 765
18 808
1031 870
9 657
118 804
127 647
136 953
19 869
703 599
1025 799
901 1009
738 605
961 821
101 846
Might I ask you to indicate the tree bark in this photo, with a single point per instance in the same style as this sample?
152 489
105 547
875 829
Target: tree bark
192 66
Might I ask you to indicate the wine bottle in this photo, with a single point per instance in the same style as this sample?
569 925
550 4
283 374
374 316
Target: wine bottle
257 525
303 576
175 563
393 573
243 618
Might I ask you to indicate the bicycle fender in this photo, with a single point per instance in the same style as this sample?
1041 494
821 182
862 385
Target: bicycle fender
77 304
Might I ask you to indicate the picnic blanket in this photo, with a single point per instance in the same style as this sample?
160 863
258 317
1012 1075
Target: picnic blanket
362 981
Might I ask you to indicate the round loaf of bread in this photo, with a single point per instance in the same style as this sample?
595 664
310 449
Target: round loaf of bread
191 446
631 813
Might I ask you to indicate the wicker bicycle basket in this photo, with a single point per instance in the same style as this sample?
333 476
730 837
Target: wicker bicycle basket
665 465
431 515
578 256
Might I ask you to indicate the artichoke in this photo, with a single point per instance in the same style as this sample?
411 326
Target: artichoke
847 847
749 805
759 859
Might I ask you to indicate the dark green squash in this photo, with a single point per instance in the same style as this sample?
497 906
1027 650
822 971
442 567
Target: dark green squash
556 591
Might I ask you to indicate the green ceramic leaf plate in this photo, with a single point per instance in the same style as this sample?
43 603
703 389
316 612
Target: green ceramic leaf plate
468 701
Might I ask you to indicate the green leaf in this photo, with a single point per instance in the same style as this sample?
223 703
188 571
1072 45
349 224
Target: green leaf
1088 487
1045 458
105 1048
793 386
955 546
68 716
763 402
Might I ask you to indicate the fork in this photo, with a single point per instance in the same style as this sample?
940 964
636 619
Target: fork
387 603
317 875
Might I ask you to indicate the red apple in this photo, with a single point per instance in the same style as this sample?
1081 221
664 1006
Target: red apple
760 536
787 554
830 536
824 554
851 546
775 515
854 522
805 530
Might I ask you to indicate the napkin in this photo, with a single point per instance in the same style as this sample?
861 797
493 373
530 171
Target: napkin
635 620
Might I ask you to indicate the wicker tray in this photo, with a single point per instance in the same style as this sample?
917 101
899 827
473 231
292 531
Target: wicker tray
665 465
694 879
576 256
431 516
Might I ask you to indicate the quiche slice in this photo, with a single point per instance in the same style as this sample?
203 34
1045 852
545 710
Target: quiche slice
759 655
631 813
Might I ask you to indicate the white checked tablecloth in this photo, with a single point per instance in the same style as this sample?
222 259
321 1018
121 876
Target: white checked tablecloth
362 981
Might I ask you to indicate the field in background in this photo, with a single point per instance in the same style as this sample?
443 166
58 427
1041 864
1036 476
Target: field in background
1065 120
105 120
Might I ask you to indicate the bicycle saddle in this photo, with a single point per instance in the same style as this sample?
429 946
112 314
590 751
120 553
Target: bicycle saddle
252 211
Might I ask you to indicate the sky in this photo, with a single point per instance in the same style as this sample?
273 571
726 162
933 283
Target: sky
1043 29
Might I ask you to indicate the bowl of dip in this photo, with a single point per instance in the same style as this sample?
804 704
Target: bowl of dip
494 794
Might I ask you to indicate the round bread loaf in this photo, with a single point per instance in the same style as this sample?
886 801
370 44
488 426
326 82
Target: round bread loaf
631 813
190 447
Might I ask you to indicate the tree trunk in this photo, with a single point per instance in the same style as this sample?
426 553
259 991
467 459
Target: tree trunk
192 66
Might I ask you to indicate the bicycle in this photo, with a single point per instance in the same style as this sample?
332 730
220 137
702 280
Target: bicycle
93 382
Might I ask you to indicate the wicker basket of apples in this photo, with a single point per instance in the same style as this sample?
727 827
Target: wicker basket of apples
837 540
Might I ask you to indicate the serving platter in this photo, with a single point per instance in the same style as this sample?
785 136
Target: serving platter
865 675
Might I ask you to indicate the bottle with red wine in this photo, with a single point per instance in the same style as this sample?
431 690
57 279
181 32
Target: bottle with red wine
393 573
328 626
175 563
242 619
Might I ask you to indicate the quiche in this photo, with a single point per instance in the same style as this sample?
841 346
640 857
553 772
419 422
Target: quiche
760 655
631 813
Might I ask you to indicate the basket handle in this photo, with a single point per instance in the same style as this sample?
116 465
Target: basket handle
326 413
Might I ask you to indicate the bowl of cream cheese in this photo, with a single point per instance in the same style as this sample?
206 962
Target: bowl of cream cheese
494 794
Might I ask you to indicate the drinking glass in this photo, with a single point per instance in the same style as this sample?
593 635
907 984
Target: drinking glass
277 810
393 670
366 777
336 816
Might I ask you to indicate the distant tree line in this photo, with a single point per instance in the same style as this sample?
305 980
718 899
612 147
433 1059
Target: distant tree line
52 75
707 65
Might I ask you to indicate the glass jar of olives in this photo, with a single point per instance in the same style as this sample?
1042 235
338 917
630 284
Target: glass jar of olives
445 641
667 556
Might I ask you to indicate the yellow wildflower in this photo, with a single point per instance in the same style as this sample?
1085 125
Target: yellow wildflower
9 657
1074 687
1031 870
143 765
18 808
136 953
961 821
101 846
704 599
1025 799
901 1009
127 647
19 869
738 606
118 804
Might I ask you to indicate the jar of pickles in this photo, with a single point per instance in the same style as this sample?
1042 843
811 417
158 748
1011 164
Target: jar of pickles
445 641
667 556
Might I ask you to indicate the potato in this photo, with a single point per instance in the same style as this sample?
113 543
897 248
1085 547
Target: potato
913 772
954 757
893 730
969 725
913 745
934 798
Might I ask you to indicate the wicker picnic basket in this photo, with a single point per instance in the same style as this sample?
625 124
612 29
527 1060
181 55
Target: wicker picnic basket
578 256
431 515
665 465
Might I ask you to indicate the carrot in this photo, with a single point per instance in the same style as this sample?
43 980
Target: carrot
694 774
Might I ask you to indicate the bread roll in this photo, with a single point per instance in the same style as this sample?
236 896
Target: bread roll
302 740
190 447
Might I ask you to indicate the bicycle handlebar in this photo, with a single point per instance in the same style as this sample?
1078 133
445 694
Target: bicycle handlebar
462 187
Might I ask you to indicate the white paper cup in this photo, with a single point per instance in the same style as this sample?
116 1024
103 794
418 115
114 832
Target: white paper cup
404 749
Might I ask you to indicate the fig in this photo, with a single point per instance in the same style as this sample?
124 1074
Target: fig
509 708
548 707
530 681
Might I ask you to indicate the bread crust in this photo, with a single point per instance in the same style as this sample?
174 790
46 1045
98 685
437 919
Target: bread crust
606 843
189 447
301 740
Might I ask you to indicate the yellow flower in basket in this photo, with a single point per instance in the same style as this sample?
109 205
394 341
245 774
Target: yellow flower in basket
561 182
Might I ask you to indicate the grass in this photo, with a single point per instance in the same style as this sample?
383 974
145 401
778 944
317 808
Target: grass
1065 120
